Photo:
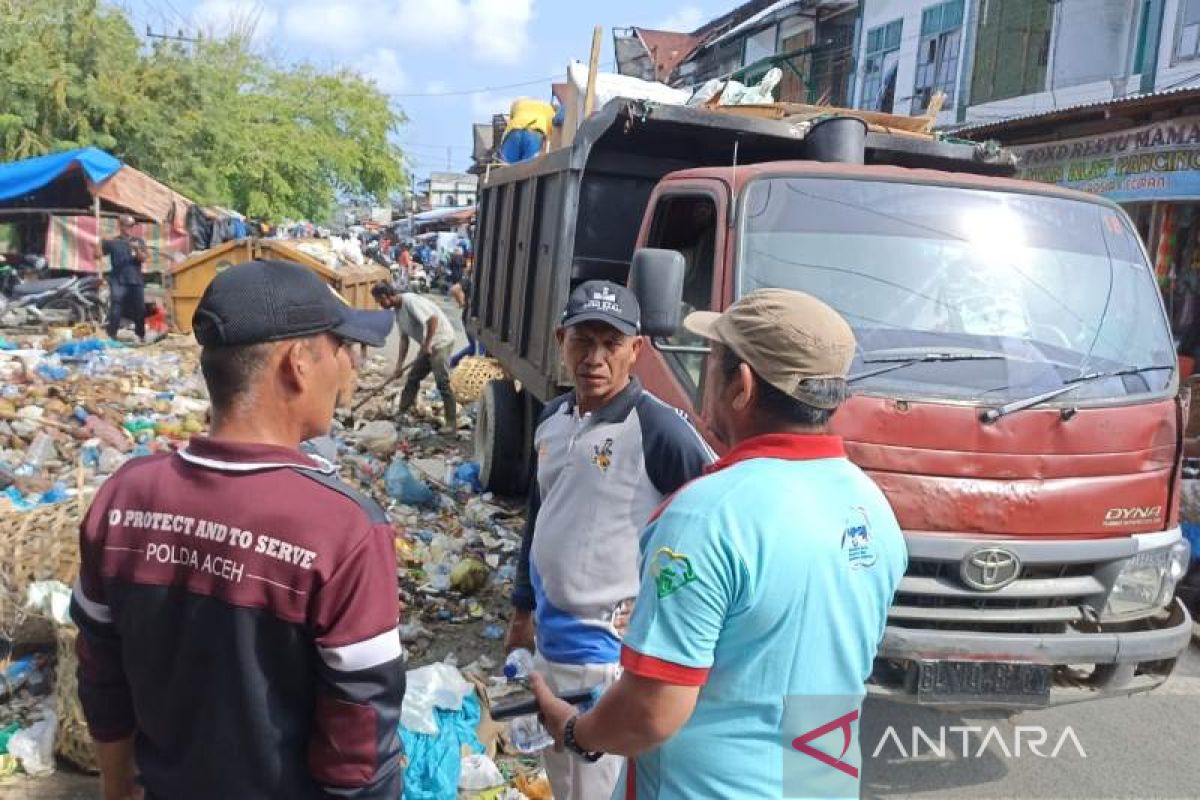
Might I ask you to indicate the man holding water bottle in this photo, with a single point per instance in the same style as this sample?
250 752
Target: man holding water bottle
608 454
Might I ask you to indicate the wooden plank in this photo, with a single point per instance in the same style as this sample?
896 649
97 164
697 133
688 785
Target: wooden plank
589 100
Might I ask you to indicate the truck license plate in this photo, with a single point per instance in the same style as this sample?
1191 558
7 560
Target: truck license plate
951 682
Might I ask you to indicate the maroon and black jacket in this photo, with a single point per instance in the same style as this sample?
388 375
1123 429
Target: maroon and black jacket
237 610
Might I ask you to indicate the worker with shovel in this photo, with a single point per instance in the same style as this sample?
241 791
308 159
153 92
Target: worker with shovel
420 320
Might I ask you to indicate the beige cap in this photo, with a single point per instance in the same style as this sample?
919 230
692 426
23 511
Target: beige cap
786 337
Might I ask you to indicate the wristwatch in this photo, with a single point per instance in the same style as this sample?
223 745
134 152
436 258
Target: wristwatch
569 742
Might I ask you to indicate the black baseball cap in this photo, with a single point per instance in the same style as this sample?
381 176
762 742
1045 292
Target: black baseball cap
268 301
604 301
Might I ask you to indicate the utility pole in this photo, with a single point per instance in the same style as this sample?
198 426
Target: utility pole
448 167
179 37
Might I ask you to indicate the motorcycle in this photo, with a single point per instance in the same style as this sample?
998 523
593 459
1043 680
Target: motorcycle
46 301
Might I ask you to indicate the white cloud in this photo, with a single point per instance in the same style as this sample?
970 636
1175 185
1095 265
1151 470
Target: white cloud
684 19
500 29
485 104
226 16
339 27
436 87
383 66
489 31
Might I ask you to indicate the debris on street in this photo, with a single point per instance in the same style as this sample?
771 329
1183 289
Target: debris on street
75 406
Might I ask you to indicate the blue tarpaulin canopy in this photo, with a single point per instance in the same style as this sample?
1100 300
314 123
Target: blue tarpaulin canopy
20 178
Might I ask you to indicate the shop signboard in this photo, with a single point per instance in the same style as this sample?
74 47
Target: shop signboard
1159 161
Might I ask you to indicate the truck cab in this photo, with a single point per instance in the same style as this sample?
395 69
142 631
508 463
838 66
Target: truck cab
1016 395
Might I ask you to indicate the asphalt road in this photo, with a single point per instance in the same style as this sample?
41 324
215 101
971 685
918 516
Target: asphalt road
1146 746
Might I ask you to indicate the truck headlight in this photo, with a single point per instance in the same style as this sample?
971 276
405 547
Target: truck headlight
1147 581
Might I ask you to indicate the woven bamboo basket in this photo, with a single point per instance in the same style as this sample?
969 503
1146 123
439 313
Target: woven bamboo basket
72 740
471 375
37 545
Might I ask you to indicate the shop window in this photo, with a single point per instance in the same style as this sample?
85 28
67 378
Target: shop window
688 224
1187 45
879 66
937 53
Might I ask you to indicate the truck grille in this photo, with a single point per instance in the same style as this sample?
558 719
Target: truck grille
1045 598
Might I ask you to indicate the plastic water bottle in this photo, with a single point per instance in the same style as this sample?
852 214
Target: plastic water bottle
519 664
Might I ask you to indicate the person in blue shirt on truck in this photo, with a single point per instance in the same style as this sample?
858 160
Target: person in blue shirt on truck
608 454
765 584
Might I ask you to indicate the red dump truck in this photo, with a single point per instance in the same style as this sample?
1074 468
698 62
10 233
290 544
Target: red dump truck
1016 393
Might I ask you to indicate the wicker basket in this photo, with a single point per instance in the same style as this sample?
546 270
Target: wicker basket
72 741
37 545
471 375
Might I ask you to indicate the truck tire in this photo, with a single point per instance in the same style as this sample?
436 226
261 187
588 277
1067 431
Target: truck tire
500 440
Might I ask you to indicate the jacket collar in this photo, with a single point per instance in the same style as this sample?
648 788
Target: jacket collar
783 446
616 409
228 456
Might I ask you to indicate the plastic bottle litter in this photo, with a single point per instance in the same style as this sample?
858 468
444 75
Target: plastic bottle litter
519 664
40 451
528 735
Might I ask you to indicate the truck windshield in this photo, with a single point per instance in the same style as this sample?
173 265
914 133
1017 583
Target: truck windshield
1056 288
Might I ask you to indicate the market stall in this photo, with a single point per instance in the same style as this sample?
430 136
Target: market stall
58 205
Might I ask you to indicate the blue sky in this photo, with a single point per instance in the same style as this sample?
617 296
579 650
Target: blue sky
434 47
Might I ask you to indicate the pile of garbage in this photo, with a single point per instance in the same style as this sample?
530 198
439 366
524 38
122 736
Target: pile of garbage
74 407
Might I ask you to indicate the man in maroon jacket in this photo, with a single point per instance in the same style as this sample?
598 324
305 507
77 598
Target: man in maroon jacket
237 605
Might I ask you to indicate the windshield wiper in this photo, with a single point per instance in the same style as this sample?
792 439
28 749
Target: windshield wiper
993 414
900 362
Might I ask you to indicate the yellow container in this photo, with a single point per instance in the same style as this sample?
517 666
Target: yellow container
189 278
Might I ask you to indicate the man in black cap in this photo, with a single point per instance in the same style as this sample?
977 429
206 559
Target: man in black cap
126 287
608 453
237 604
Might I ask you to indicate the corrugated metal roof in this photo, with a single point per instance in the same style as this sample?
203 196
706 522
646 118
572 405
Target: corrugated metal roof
781 5
1066 111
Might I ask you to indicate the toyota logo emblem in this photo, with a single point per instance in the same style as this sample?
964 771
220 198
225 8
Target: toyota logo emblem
990 568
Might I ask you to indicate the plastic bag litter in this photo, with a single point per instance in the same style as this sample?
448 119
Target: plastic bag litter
739 94
34 746
431 687
379 436
435 761
52 598
406 487
478 773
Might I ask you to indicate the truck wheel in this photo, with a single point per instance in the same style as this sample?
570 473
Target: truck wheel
500 440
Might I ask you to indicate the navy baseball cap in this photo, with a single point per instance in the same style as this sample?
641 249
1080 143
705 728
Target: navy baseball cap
268 301
604 301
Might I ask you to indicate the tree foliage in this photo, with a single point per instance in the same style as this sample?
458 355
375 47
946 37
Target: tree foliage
217 120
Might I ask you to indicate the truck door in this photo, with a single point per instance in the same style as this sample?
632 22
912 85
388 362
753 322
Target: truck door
689 218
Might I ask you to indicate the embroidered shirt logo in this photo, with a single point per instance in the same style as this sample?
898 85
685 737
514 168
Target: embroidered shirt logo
602 455
672 571
856 540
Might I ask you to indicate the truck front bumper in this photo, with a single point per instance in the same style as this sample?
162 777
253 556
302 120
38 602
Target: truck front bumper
1050 614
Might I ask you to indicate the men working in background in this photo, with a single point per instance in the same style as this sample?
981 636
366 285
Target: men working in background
608 453
237 604
765 584
126 286
420 320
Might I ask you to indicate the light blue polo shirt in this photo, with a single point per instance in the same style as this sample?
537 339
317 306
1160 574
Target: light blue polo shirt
766 580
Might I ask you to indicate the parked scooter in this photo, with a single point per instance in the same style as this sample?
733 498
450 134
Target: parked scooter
46 301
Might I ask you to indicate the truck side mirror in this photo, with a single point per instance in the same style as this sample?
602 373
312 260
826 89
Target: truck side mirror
656 277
